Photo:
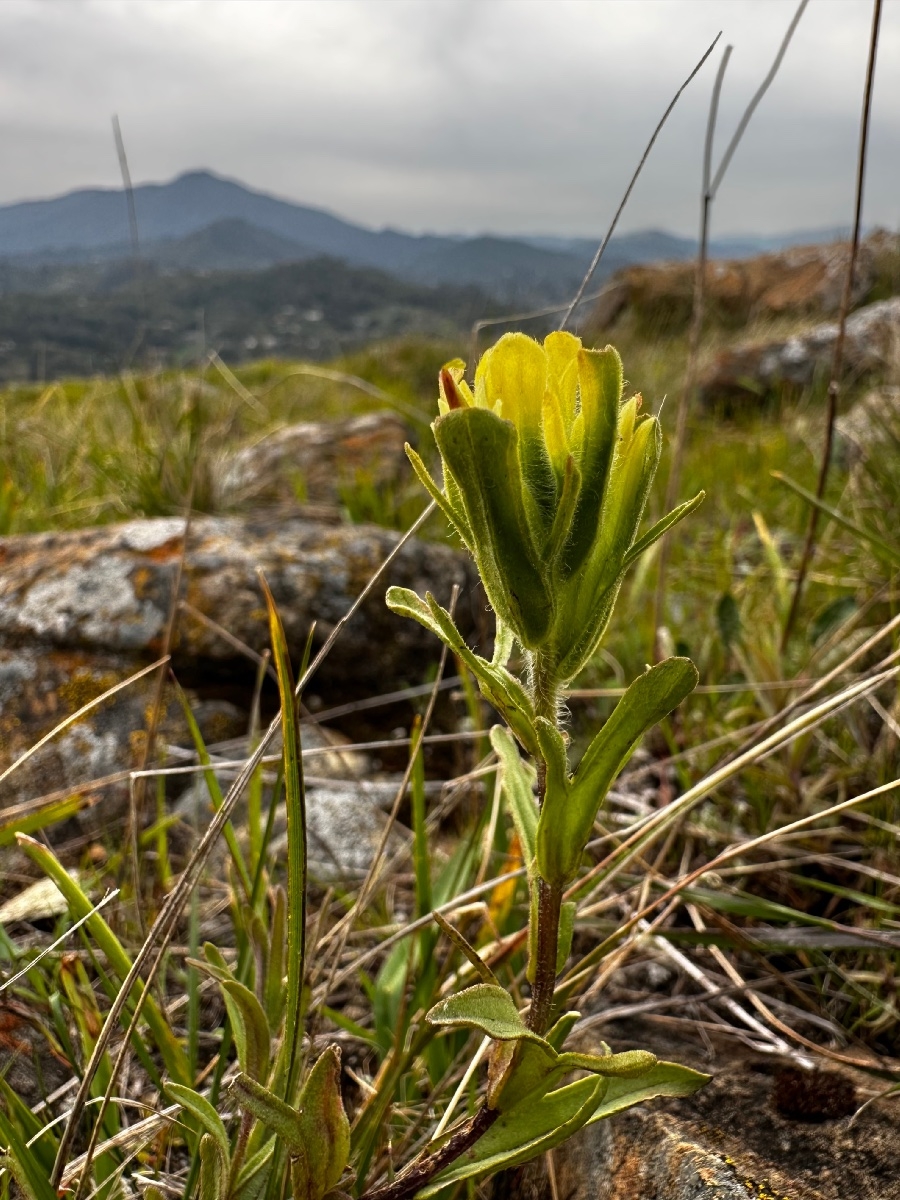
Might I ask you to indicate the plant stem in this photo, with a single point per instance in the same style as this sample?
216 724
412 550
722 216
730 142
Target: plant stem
419 1173
549 902
544 689
545 694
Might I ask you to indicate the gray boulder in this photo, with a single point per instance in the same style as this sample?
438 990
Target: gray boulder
109 590
315 460
759 368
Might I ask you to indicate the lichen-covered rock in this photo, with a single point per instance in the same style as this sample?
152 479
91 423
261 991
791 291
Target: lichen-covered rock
728 1141
802 280
109 590
315 460
757 369
82 612
872 425
40 688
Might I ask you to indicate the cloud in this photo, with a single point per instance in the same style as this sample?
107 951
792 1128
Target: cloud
513 116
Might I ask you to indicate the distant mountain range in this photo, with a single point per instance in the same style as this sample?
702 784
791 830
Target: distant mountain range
222 267
202 222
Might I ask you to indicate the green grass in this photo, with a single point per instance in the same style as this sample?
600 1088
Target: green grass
84 452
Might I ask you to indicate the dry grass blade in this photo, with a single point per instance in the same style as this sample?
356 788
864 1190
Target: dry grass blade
76 716
710 187
834 382
110 895
595 262
169 912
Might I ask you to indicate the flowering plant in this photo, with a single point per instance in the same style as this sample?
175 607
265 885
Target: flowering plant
546 474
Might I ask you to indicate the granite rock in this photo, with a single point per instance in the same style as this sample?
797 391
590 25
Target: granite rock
758 369
315 460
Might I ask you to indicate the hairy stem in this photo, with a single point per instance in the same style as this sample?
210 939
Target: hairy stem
549 902
417 1174
545 694
544 688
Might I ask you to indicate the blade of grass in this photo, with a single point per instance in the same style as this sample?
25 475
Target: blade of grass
170 910
215 792
295 803
116 954
864 534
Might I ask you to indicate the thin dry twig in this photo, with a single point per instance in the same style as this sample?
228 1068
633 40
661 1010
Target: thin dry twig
601 250
171 908
710 187
834 382
76 716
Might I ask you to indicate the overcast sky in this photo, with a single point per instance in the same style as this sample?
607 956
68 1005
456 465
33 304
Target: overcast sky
510 116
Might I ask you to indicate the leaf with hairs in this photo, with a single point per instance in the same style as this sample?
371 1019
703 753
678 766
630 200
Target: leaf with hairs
213 1169
250 1026
488 1008
198 1106
568 815
664 1079
253 1177
526 1131
498 686
517 779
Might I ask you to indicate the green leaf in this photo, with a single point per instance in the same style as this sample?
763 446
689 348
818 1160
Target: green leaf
828 619
728 620
250 1027
455 515
557 1035
283 1120
524 1132
295 805
665 1079
273 988
629 1064
600 379
116 955
504 640
480 450
566 931
553 752
562 521
216 962
535 1070
213 1170
198 1106
326 1130
655 532
629 485
566 821
498 686
316 1134
517 779
488 1008
24 1166
254 1174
